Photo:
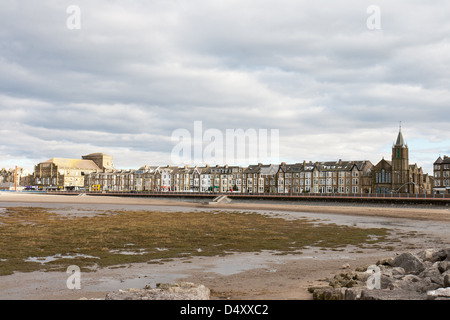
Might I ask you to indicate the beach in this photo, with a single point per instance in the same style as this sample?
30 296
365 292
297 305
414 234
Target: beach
244 275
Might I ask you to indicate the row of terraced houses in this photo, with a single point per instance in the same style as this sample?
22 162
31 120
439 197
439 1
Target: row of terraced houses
319 177
96 172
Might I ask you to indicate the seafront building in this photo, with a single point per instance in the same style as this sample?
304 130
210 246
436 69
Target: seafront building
96 172
441 174
61 173
398 175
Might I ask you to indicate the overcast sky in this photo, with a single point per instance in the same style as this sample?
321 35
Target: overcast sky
320 72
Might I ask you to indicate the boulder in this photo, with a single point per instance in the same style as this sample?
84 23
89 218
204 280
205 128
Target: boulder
443 266
447 280
182 291
409 262
441 292
413 283
328 293
444 254
387 294
385 262
431 255
353 294
433 274
398 272
408 276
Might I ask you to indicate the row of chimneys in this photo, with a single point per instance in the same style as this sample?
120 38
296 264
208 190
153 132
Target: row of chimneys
260 164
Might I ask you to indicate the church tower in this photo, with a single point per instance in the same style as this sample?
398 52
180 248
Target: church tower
400 164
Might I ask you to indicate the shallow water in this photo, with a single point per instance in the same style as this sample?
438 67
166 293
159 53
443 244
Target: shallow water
438 228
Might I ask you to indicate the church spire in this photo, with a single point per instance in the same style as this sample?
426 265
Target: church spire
400 141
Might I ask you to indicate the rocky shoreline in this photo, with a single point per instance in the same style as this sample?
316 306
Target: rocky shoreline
424 275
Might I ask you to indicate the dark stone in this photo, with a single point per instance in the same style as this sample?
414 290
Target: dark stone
409 262
385 294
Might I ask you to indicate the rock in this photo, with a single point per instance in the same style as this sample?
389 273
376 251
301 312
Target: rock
444 254
353 294
409 262
447 280
398 272
425 254
385 262
344 279
429 255
182 291
391 295
362 276
408 276
443 266
433 274
345 266
386 281
329 293
416 284
441 292
361 269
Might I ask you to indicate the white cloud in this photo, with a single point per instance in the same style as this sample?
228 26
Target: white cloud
137 70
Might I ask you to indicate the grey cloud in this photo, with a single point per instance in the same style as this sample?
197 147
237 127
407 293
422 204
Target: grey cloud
138 70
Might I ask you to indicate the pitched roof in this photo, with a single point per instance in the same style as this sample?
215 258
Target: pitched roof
64 163
446 159
97 154
400 141
342 165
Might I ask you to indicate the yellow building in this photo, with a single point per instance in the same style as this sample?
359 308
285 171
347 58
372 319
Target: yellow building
62 173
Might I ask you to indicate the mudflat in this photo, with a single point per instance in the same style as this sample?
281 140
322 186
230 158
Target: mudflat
263 274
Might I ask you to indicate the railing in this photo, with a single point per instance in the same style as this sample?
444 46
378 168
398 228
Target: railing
289 195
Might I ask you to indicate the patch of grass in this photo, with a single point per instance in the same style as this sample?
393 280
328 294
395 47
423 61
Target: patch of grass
158 236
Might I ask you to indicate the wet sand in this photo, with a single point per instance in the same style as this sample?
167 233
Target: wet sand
264 275
435 213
